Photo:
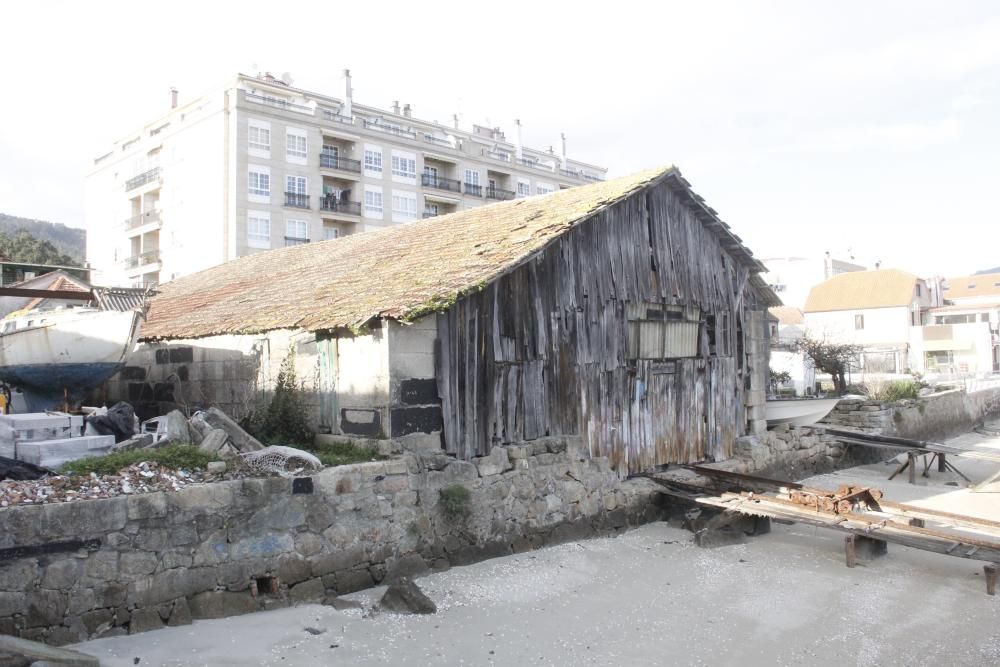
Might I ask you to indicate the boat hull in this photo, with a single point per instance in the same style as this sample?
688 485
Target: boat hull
799 412
66 354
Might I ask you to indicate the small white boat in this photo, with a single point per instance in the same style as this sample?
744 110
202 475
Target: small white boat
56 354
799 411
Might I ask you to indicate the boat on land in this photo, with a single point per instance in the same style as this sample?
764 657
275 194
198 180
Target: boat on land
55 356
798 411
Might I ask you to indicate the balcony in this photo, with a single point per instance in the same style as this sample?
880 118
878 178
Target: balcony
278 103
497 193
148 257
142 219
296 200
327 161
449 184
503 156
430 213
340 206
569 172
590 177
294 240
431 139
143 178
338 118
473 190
394 130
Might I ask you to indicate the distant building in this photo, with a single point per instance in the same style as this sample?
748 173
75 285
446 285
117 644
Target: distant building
791 278
961 340
12 272
788 327
874 309
982 288
258 164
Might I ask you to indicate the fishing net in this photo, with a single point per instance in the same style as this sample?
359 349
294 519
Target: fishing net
280 460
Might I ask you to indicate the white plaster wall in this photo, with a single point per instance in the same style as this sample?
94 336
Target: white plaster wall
883 326
795 364
363 369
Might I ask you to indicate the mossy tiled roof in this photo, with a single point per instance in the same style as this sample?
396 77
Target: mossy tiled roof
397 272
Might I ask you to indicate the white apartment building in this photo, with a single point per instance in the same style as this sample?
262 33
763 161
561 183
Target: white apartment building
258 164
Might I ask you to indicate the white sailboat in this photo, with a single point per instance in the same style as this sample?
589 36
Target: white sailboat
799 411
55 354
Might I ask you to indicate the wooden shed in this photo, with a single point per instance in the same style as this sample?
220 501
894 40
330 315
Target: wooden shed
624 311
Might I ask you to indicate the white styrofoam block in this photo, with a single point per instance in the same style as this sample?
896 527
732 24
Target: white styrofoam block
53 453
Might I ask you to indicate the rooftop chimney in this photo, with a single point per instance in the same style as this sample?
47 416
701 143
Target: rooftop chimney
562 159
454 120
173 97
395 107
407 111
518 147
348 95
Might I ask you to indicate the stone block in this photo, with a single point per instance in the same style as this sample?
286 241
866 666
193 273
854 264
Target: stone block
12 603
242 441
216 467
349 581
144 619
410 565
170 585
455 473
44 608
292 570
176 427
138 562
206 498
94 620
146 506
344 559
214 440
308 544
19 575
312 590
396 467
262 546
62 574
405 597
180 613
495 463
81 600
221 604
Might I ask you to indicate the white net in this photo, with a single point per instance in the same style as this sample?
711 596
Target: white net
282 460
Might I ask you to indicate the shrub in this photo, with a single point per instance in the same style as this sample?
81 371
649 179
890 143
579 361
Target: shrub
285 421
895 391
175 457
455 502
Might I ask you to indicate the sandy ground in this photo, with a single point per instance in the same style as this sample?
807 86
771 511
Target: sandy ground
649 597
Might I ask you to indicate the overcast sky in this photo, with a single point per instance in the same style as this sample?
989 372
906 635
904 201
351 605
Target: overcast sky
869 126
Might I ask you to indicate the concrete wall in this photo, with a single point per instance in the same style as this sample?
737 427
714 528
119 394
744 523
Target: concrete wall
936 417
94 568
415 410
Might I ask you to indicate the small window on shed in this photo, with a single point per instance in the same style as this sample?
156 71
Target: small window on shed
662 332
859 321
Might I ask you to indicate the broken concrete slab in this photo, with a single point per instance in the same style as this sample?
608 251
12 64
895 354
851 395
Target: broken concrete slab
241 440
177 431
405 597
35 651
213 440
141 441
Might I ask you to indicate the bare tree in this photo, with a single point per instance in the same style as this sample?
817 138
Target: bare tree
830 357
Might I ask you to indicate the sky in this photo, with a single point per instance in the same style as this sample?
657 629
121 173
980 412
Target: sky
867 129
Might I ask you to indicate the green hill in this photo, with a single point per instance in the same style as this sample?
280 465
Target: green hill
27 240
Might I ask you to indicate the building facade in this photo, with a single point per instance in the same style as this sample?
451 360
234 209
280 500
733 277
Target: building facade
258 165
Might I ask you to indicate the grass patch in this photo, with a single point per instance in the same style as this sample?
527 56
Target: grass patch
342 453
454 502
176 457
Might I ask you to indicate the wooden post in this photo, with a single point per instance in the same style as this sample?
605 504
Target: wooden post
991 578
912 472
849 551
942 466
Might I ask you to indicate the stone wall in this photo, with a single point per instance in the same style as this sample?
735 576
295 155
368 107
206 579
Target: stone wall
935 417
92 568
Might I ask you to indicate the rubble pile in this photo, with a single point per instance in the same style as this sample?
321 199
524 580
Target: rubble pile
145 477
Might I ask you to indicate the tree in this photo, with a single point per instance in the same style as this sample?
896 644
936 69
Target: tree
829 357
23 247
286 421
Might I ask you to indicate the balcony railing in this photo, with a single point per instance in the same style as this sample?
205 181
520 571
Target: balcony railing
294 240
148 257
569 172
498 193
340 206
296 200
590 177
473 190
441 183
498 155
327 161
390 129
430 138
334 116
142 219
278 103
431 214
142 179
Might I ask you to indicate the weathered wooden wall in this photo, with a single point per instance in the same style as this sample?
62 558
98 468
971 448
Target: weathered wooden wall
543 349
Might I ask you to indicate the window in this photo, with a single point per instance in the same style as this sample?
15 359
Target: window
297 229
404 165
331 151
259 184
431 210
259 138
373 202
859 322
295 146
330 233
523 189
918 289
663 332
258 229
431 171
373 161
471 177
543 188
296 185
404 206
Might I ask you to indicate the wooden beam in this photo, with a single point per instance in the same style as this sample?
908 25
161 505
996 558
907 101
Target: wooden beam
72 295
